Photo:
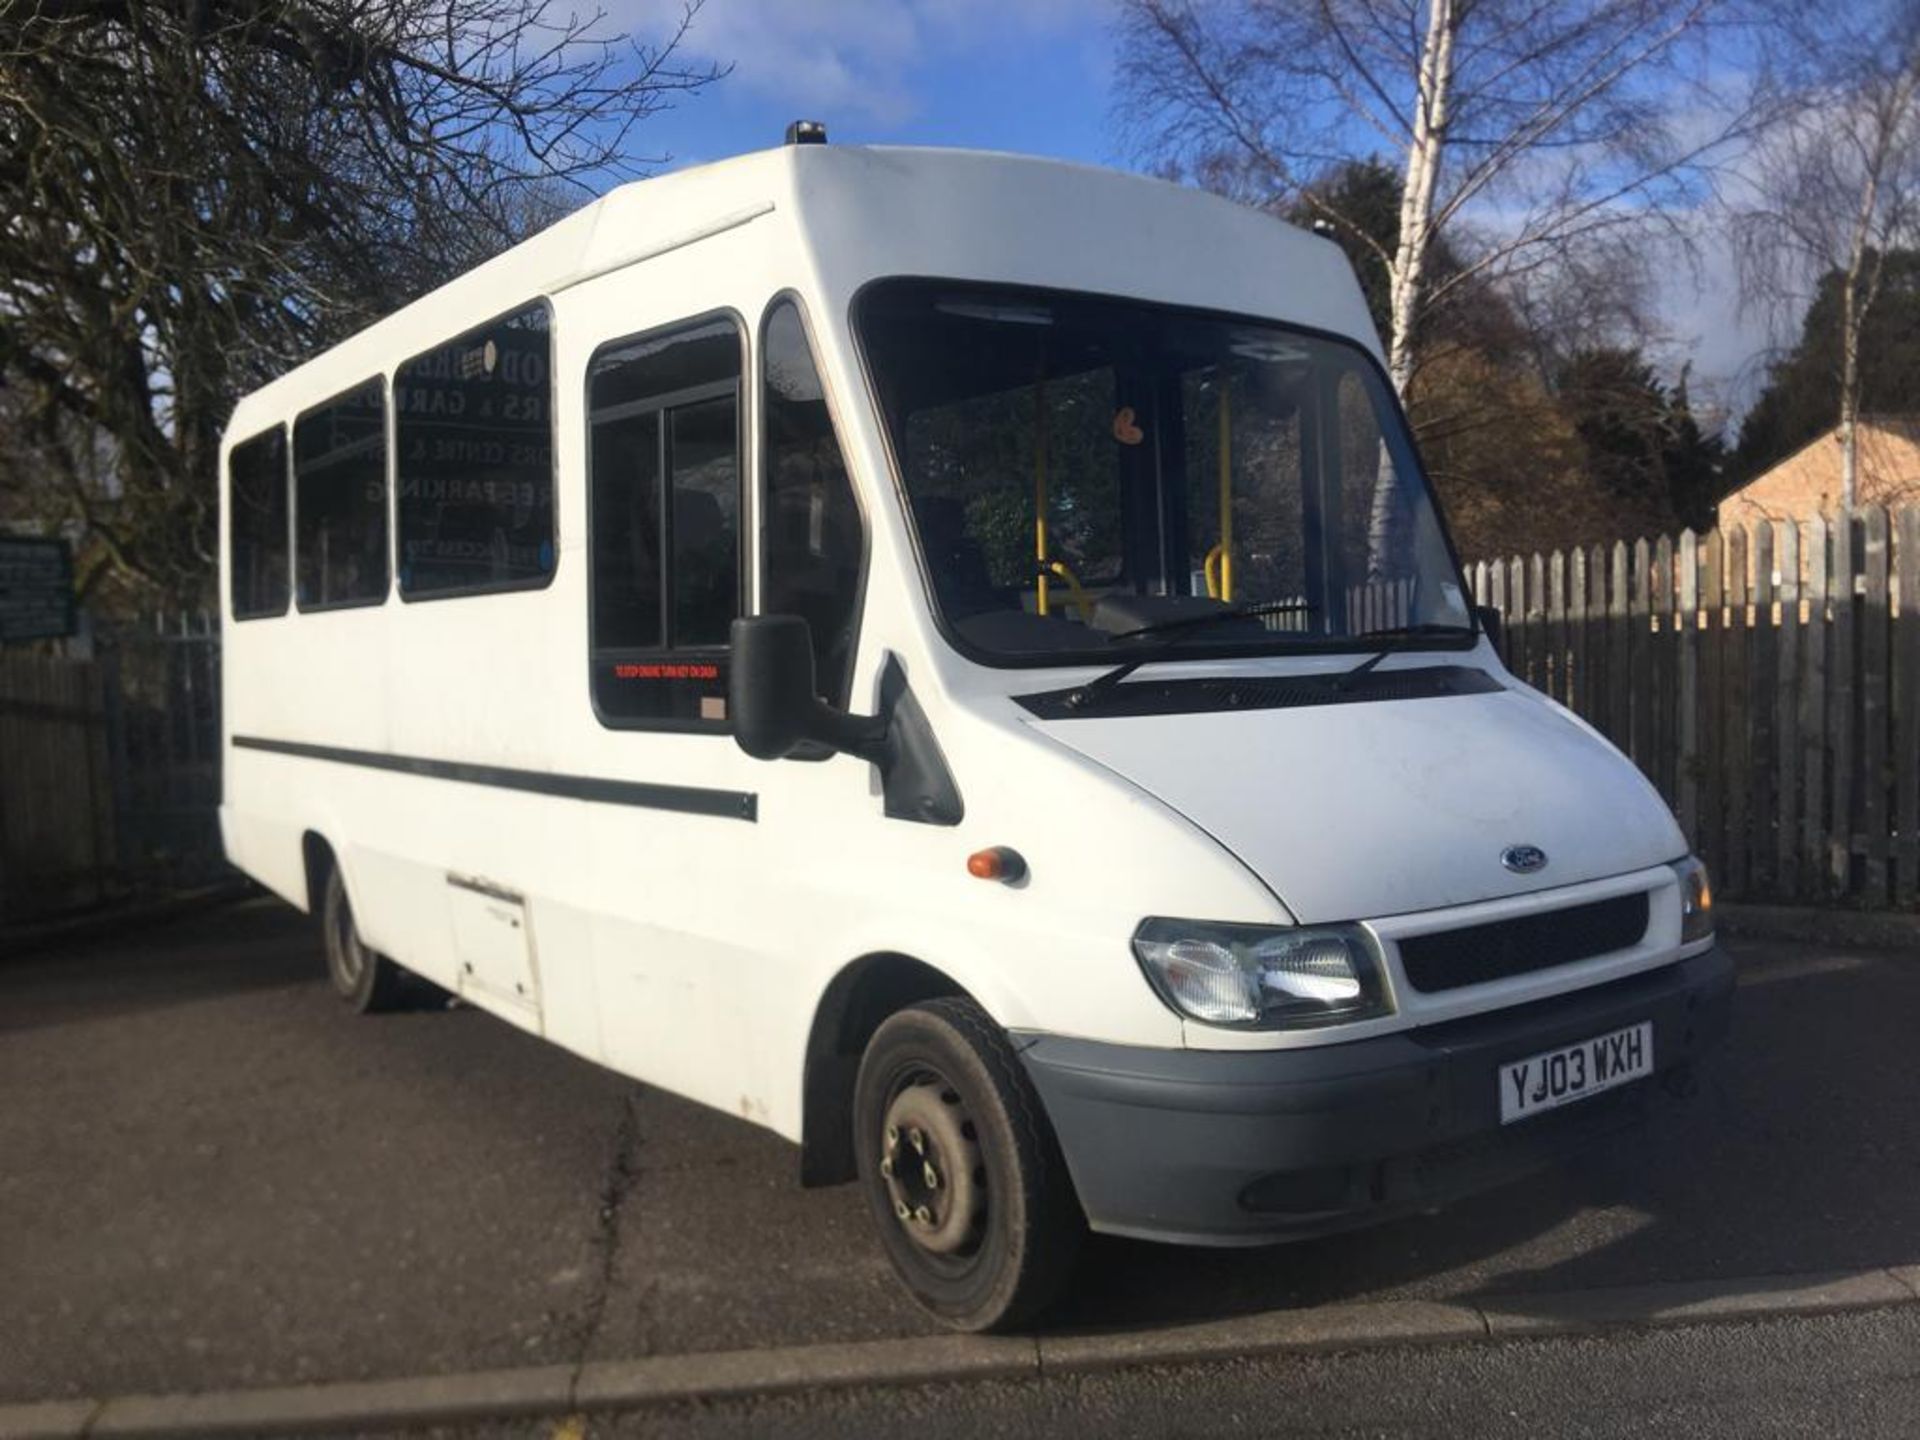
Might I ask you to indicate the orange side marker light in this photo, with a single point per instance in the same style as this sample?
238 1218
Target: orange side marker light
997 862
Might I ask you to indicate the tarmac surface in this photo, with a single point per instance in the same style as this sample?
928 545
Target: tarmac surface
211 1175
1805 1378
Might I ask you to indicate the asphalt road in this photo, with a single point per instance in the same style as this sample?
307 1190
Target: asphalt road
211 1175
1843 1377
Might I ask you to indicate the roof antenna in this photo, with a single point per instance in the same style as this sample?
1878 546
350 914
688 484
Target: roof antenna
807 132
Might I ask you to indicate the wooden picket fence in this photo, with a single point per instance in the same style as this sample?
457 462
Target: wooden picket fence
1767 683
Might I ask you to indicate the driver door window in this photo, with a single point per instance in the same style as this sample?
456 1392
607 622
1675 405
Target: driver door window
664 490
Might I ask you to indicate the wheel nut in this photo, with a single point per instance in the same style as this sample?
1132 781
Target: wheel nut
923 1215
900 1209
917 1140
893 1136
930 1175
886 1166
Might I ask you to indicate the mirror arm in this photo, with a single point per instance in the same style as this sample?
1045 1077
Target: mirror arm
862 735
914 778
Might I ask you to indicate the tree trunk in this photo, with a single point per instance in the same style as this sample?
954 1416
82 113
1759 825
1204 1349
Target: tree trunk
1849 435
1852 314
1424 151
1890 124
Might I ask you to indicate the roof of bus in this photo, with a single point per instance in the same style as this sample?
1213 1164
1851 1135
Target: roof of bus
864 211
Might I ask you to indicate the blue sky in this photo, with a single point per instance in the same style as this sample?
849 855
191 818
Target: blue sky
1029 75
998 74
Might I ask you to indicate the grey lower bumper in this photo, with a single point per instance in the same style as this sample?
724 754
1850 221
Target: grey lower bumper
1240 1148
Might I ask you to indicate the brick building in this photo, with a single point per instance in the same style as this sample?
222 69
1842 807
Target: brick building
1807 482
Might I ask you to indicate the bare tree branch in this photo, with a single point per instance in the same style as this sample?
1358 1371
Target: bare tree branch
1577 107
195 194
1838 185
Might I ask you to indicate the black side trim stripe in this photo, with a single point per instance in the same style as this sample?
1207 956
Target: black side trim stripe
688 799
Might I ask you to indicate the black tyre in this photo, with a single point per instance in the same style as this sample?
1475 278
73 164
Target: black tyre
960 1167
361 976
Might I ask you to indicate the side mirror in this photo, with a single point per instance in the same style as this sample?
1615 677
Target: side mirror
1490 622
771 697
776 713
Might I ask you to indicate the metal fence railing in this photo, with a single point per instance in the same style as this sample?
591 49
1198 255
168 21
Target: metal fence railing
109 767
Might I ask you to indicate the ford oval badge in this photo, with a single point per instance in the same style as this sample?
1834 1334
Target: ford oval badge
1524 859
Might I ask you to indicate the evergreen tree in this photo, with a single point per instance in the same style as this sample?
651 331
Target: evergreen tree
1694 460
1801 399
1367 194
1645 449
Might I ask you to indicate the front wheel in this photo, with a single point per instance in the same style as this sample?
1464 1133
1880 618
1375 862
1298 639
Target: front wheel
961 1169
361 975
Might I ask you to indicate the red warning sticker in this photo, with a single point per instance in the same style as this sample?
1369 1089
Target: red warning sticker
658 671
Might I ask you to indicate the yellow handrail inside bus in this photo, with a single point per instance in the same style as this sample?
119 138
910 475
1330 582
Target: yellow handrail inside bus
1040 492
1224 549
1210 567
1082 601
1045 568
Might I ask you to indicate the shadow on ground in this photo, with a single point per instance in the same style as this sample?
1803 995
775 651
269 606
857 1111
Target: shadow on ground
212 1175
1800 1153
161 963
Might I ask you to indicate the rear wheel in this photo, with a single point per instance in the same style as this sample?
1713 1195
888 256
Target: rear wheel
961 1170
361 976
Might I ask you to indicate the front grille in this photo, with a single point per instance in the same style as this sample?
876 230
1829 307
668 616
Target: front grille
1475 954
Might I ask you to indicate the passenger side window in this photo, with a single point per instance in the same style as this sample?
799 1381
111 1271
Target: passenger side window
811 529
257 525
340 501
474 439
664 520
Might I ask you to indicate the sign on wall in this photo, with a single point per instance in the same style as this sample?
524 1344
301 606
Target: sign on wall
36 589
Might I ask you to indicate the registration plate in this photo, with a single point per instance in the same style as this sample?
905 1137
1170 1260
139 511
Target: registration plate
1559 1077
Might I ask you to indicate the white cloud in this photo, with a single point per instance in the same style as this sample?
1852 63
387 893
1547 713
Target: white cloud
1728 345
857 57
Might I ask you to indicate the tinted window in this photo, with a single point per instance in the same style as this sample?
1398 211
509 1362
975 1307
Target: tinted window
703 449
664 494
257 516
474 440
627 527
811 527
340 500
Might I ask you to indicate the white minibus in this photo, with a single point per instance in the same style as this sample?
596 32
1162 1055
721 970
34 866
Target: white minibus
953 658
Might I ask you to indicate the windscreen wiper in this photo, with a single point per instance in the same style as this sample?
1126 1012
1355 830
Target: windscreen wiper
1091 692
1214 617
1395 637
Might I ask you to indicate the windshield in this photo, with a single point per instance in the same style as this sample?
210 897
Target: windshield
1086 472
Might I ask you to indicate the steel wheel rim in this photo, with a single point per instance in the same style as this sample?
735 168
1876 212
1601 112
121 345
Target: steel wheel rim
931 1168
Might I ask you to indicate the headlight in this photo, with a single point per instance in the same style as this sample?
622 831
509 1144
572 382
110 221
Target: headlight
1696 901
1255 977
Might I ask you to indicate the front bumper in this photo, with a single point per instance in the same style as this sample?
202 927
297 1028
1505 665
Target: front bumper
1250 1147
